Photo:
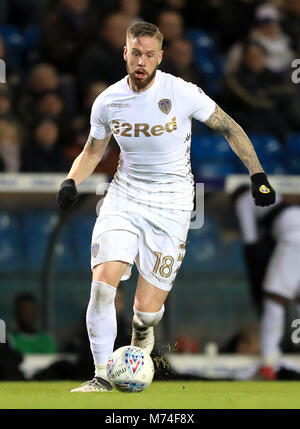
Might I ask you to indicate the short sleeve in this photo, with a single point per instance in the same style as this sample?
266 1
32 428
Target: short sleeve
99 125
203 106
196 104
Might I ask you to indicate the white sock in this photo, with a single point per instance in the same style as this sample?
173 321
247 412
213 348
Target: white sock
100 371
149 319
101 324
272 325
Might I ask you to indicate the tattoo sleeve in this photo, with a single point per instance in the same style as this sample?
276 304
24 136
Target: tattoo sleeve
239 142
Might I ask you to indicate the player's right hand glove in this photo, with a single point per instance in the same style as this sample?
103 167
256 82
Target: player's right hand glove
262 191
67 195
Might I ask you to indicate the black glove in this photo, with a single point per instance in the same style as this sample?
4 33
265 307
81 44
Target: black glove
262 191
67 195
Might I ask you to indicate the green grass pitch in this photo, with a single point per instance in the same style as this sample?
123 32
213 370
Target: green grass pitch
160 395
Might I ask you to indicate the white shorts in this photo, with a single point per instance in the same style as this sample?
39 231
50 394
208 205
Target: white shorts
129 238
283 272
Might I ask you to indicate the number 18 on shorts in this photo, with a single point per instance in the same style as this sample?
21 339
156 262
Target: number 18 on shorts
157 254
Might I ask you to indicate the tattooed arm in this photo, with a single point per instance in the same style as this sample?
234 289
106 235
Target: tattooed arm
88 159
220 122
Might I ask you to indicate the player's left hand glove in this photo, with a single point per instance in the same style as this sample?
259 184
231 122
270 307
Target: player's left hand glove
67 196
262 191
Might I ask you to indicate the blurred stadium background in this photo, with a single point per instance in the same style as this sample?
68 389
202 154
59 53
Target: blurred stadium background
59 55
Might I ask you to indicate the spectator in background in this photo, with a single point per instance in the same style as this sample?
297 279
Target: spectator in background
268 32
80 128
171 25
177 5
256 97
234 20
44 78
248 341
131 9
245 342
103 60
291 22
10 147
197 14
51 104
26 337
44 152
6 109
179 61
66 30
80 125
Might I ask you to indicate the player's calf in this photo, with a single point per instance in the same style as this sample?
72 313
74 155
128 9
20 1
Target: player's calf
101 324
142 328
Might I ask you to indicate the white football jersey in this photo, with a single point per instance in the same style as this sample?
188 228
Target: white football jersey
153 131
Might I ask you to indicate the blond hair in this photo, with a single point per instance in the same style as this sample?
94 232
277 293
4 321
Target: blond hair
144 29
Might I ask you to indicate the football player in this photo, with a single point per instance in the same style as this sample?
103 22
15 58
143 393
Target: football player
146 213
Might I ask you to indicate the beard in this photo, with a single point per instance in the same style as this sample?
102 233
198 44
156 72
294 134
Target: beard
141 84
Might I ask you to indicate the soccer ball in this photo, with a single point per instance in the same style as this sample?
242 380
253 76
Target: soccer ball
130 369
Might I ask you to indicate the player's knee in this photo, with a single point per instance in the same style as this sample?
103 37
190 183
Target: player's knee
102 295
104 276
109 272
149 319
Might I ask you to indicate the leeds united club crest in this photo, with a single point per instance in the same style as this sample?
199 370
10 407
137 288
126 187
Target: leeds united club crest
95 249
165 105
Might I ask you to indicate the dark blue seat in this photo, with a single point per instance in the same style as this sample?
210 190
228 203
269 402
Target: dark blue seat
82 226
293 165
208 58
11 249
213 170
65 259
211 146
293 145
203 44
232 257
37 227
267 147
31 37
14 43
12 36
275 167
203 248
292 158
